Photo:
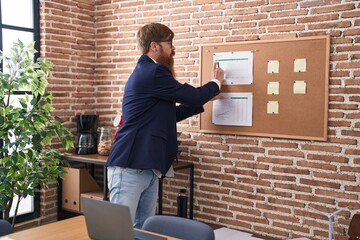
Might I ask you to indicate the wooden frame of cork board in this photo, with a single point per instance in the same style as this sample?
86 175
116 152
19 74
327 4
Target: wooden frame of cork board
300 116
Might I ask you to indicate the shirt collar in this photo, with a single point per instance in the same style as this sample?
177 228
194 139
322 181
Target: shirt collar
152 59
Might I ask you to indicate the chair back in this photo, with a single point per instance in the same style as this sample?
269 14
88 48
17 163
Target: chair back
179 227
5 228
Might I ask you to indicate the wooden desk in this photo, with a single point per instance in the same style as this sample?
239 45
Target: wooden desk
72 228
96 159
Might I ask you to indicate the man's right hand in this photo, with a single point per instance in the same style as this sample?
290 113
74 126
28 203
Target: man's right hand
218 73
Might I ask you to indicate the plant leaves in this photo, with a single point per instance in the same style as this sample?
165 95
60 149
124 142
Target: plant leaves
27 129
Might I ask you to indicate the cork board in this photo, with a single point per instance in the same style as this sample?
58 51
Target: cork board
300 79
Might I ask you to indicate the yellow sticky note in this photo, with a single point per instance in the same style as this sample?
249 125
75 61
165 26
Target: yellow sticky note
273 88
299 87
273 107
273 66
300 65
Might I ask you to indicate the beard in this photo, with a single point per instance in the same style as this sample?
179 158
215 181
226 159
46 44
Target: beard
167 61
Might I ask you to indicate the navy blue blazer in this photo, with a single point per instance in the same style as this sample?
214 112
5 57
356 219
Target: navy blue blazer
147 138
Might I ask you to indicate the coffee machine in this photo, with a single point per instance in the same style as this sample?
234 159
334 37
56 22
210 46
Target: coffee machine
86 134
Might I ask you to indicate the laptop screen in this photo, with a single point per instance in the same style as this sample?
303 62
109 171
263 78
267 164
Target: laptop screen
109 221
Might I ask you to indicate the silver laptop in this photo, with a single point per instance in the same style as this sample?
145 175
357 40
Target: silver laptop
108 221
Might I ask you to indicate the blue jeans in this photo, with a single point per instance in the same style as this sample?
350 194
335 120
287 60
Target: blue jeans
135 188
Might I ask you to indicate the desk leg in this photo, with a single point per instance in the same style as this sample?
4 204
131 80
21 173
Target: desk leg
105 191
160 196
92 169
191 192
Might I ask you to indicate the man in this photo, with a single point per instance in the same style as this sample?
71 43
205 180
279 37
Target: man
146 142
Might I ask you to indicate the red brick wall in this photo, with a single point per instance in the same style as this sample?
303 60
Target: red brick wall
68 41
257 184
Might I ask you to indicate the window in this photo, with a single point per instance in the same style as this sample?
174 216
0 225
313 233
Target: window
20 19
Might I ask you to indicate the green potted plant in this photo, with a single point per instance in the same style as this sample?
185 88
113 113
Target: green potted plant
27 129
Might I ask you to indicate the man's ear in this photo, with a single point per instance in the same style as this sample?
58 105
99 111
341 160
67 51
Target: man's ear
153 47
